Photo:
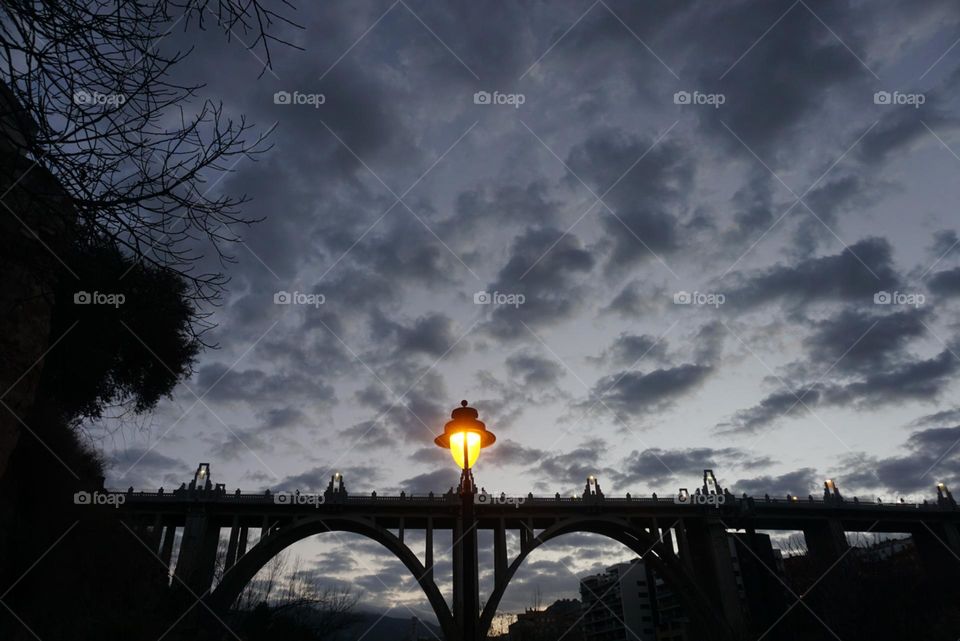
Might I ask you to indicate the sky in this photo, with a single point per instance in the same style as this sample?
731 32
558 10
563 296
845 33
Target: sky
642 239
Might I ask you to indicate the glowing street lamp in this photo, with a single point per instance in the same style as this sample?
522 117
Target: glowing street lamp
465 436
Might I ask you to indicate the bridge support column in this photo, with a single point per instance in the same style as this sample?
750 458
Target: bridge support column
709 557
242 544
500 553
825 540
156 533
166 548
938 546
232 544
198 553
428 551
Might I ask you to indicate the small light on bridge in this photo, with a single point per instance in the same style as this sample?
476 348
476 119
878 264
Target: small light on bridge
465 436
829 484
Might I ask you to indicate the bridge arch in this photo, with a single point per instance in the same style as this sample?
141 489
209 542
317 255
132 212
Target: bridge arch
247 566
709 623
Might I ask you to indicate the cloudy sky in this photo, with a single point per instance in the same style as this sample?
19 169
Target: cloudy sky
710 235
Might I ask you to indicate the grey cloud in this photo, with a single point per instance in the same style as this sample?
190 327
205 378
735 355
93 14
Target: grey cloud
945 283
508 452
433 335
146 469
800 483
632 303
635 392
837 276
937 418
438 481
546 267
657 467
916 380
772 408
316 479
860 341
535 371
628 349
646 202
930 456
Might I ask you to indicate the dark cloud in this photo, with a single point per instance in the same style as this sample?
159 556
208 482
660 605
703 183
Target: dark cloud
634 392
945 243
277 418
438 481
546 266
657 467
782 82
929 456
433 335
914 380
147 469
898 131
317 478
856 273
534 371
219 382
509 452
506 204
862 341
562 470
800 483
938 418
643 219
771 409
945 282
630 349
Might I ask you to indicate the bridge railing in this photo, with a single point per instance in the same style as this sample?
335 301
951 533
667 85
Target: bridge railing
305 498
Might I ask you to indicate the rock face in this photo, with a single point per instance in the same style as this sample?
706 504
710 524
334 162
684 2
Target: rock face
34 215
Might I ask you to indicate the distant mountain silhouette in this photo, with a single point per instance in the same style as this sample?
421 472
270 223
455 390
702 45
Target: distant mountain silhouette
389 629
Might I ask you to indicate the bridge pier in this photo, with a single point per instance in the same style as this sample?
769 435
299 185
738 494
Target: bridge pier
499 552
825 540
232 544
707 548
428 551
166 548
198 553
938 546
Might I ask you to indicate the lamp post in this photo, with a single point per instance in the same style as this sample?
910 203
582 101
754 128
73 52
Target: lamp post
465 436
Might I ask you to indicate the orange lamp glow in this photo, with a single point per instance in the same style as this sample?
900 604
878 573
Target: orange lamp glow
472 448
465 436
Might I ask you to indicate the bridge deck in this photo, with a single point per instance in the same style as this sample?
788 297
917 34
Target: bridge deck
413 512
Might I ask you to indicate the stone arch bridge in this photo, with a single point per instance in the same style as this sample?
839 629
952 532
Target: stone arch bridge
684 537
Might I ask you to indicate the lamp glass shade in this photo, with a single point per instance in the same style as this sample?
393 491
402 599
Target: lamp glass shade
473 448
